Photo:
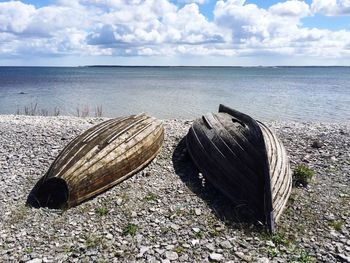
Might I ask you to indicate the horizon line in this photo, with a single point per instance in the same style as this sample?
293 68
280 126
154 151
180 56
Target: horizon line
179 66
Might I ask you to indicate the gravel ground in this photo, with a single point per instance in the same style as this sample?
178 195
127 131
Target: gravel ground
167 213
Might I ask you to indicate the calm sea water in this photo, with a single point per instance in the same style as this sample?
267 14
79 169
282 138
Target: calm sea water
282 93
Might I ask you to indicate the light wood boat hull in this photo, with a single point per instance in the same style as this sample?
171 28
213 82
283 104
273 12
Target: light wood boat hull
244 160
98 159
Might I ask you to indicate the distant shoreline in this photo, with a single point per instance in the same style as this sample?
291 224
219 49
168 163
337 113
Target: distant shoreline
177 66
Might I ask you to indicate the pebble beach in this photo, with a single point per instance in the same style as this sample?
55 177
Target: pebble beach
167 212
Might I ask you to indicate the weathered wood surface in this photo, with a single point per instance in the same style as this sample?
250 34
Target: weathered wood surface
280 174
98 159
243 159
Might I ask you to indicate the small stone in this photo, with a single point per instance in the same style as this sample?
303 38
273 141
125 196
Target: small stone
333 233
263 260
183 257
25 258
306 158
216 257
198 211
46 260
143 249
243 256
139 238
185 245
210 246
171 255
35 260
150 259
194 242
119 201
196 229
174 226
226 244
270 243
316 144
159 251
147 174
329 216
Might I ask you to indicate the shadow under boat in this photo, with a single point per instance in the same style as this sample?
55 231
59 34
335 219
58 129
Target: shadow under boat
235 215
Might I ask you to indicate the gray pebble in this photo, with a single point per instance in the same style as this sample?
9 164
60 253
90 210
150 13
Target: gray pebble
171 255
35 260
216 257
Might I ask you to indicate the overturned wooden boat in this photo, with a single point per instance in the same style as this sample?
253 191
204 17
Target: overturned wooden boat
98 159
244 160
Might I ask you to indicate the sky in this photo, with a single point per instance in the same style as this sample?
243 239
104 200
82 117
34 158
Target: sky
175 32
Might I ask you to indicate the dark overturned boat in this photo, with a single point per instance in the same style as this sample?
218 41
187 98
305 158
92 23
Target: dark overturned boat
244 160
98 159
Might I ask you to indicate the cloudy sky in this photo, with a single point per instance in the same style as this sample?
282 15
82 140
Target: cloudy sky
170 32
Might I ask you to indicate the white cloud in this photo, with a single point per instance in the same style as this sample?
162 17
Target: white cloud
160 28
157 32
331 7
47 31
291 8
15 16
188 25
277 30
201 2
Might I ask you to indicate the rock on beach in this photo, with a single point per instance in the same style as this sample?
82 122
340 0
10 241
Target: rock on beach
185 220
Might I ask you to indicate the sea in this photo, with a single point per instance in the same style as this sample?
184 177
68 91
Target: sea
265 93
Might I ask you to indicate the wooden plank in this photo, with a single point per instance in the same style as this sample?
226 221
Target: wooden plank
280 173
